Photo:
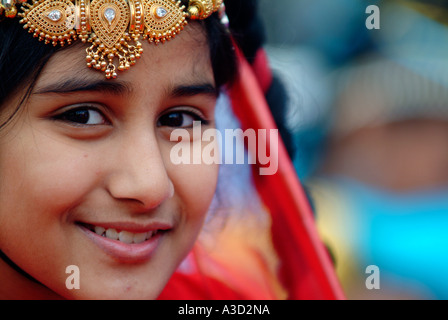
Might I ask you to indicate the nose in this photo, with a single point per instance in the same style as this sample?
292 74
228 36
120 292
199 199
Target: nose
138 173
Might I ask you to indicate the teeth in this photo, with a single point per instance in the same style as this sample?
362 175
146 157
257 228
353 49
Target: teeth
124 236
112 234
140 237
99 230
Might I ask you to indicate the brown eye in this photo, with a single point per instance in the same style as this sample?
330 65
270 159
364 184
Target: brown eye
178 120
84 116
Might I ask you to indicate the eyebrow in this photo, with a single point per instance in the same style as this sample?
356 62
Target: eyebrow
81 85
193 90
118 88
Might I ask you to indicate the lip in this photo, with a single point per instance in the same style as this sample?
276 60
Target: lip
127 253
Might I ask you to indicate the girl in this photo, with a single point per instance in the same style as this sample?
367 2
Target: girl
89 193
87 181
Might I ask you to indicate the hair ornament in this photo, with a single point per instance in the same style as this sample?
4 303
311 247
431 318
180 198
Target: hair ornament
114 28
8 8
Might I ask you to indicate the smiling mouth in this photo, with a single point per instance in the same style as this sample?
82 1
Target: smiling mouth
123 236
127 242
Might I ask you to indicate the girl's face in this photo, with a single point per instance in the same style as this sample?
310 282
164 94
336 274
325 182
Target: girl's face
87 161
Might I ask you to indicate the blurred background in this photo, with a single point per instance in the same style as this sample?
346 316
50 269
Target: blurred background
369 118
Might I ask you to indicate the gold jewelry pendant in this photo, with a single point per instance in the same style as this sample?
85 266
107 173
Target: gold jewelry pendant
51 21
109 20
113 27
164 19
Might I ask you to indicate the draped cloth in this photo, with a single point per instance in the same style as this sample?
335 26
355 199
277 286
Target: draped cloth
275 257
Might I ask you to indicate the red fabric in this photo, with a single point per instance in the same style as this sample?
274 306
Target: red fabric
306 270
212 276
195 285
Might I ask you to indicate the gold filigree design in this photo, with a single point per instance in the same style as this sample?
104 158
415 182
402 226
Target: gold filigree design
110 41
163 20
50 21
109 31
112 27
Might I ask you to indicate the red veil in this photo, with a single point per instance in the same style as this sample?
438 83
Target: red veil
304 269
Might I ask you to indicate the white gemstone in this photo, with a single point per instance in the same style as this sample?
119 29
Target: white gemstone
55 15
8 4
161 12
110 14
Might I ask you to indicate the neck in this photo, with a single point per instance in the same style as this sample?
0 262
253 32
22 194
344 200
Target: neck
15 286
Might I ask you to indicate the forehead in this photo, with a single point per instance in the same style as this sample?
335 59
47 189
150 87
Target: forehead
183 59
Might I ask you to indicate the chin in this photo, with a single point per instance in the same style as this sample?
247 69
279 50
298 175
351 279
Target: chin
123 293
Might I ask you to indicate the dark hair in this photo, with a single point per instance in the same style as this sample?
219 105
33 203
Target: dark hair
23 57
248 30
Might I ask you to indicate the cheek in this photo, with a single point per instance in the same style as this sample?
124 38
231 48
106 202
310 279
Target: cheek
194 185
41 179
195 188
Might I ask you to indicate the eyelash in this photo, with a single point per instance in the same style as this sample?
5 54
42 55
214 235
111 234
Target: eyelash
192 113
64 116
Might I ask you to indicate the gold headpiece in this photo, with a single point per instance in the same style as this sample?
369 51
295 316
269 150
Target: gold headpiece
113 27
